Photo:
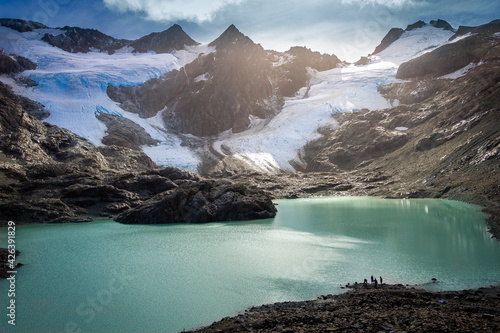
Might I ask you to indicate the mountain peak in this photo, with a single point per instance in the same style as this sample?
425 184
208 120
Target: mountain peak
231 36
416 25
442 24
174 38
175 28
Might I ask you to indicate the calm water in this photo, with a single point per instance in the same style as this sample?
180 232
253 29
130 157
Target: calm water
109 277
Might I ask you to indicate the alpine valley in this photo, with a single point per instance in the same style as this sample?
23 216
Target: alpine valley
164 129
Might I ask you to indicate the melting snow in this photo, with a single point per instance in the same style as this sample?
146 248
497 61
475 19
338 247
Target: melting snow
202 77
461 72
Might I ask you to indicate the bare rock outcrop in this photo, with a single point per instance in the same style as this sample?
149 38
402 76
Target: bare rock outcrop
21 25
76 39
201 202
124 132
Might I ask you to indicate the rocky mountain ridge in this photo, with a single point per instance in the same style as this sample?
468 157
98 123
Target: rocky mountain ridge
221 90
395 33
75 39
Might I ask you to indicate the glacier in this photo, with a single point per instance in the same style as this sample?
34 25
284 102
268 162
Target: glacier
72 87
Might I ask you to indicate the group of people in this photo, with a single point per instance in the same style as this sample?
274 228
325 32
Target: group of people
373 281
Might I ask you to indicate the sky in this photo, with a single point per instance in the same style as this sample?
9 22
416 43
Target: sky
347 28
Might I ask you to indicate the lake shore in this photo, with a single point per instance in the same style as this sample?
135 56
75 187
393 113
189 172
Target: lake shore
387 308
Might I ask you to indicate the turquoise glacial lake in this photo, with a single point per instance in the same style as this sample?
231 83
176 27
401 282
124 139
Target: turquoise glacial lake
109 277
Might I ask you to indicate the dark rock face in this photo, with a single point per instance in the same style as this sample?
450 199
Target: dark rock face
416 25
442 24
205 201
462 30
413 91
356 141
363 61
12 64
84 40
124 132
392 36
451 57
485 29
123 159
21 25
220 90
292 75
34 108
174 38
8 65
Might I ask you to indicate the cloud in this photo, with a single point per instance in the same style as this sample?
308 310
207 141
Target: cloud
386 3
171 10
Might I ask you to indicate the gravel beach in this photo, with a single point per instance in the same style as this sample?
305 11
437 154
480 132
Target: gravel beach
387 308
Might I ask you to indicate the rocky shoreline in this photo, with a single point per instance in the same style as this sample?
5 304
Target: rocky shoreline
387 308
